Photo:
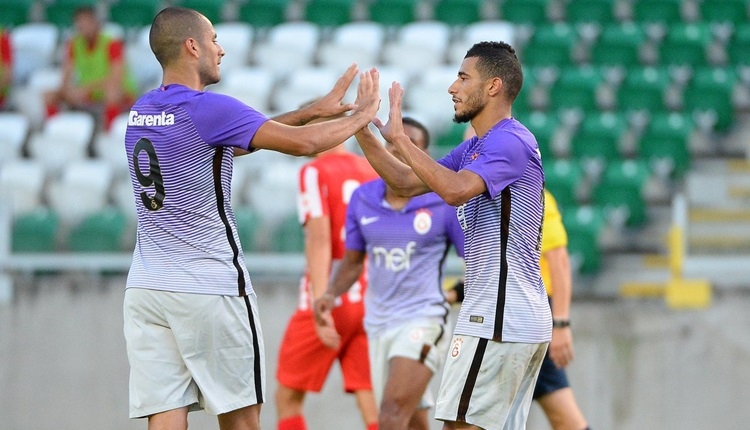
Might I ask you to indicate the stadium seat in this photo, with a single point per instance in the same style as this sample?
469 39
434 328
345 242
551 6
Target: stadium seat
82 189
619 45
450 138
458 12
302 86
590 11
14 130
236 38
121 194
576 88
477 32
263 13
544 126
142 64
21 184
620 192
739 45
35 231
101 231
563 178
685 45
276 181
15 12
550 45
665 12
289 46
429 96
392 13
251 85
598 137
329 13
248 225
584 226
134 13
65 137
29 99
724 11
109 146
418 46
710 91
211 9
34 48
61 12
533 12
288 236
357 42
665 143
643 89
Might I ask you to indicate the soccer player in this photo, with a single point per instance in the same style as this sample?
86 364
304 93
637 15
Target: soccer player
190 313
6 65
309 350
496 183
405 240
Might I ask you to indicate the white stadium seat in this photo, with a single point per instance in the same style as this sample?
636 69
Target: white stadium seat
34 47
481 31
65 137
82 189
21 184
110 145
29 98
236 38
288 47
250 85
355 42
14 129
303 86
418 46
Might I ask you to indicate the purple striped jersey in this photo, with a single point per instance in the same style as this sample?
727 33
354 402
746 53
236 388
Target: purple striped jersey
505 299
179 144
405 251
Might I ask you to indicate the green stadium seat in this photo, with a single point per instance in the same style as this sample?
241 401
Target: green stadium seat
590 11
724 11
620 191
35 232
598 137
134 13
15 12
543 126
288 237
665 143
619 45
451 137
657 11
685 45
643 89
392 12
576 88
532 12
738 46
329 13
263 13
248 226
61 12
563 178
550 45
458 12
711 90
584 226
523 103
102 231
211 9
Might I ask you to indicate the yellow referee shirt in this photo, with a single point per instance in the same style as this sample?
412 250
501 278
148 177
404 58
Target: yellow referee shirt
553 235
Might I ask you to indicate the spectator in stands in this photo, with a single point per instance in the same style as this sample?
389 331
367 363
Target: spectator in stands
95 73
6 66
190 312
308 349
405 240
496 183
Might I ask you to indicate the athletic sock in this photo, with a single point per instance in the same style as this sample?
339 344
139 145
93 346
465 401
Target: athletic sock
373 426
296 422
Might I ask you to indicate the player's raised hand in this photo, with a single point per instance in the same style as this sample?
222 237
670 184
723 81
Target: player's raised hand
331 103
368 93
394 127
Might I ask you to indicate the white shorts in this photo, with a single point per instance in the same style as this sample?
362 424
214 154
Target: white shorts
197 350
489 384
421 340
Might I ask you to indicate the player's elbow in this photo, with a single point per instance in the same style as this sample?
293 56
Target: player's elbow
455 198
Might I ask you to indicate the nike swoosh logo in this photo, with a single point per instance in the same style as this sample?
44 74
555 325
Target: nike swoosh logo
368 220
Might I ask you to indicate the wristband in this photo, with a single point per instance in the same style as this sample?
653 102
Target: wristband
560 323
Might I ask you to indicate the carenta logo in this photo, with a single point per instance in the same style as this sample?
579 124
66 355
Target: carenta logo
150 120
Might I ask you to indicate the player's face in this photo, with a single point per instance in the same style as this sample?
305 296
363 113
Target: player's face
415 135
87 25
209 63
467 91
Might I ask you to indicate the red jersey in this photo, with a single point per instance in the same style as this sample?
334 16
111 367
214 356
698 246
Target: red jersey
325 186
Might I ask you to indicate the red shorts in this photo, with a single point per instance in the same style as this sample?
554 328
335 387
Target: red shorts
304 362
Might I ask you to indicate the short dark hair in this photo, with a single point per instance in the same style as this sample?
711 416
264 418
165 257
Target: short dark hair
171 27
85 10
498 59
407 120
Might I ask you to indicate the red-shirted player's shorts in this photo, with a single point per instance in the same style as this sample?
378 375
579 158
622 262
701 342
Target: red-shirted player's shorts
304 362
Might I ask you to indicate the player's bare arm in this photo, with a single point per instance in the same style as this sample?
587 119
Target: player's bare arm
456 188
347 274
314 138
561 350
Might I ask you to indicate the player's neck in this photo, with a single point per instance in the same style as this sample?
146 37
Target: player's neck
395 201
181 76
492 114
